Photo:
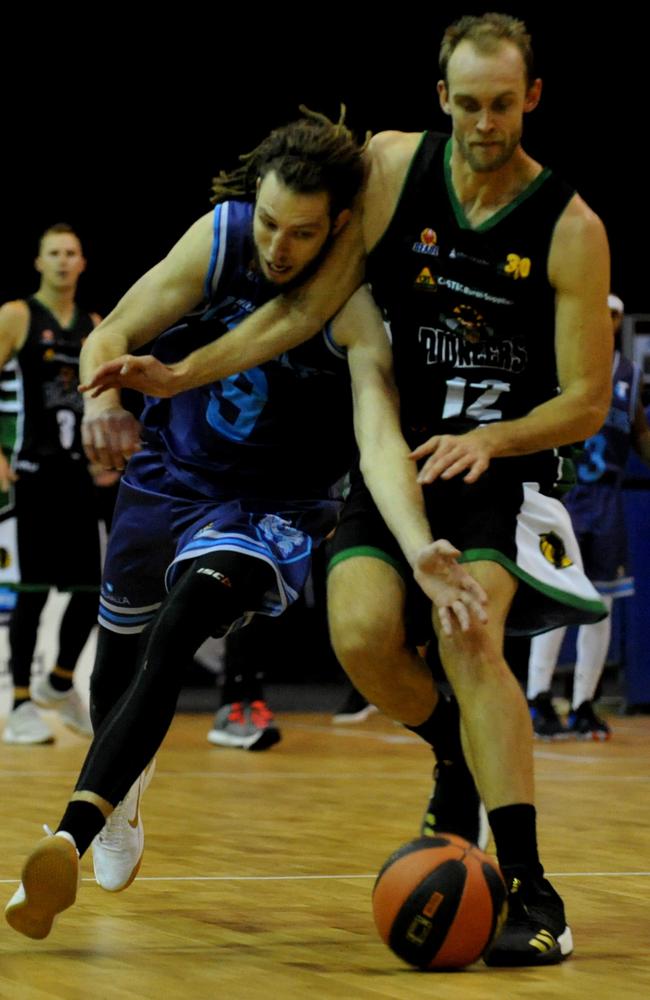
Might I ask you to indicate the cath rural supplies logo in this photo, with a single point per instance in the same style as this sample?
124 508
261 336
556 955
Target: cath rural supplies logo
553 550
518 267
428 243
426 280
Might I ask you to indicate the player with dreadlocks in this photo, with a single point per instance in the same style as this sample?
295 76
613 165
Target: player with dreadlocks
227 489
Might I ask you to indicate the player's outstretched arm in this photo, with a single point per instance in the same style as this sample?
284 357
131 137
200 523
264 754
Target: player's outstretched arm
161 297
389 472
284 322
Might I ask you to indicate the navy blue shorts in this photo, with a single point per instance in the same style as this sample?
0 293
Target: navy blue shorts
160 525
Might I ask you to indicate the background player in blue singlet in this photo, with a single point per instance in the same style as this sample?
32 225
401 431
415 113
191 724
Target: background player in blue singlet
51 509
494 276
598 515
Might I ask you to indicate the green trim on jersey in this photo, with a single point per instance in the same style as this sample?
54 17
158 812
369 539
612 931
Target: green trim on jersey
555 593
369 552
459 211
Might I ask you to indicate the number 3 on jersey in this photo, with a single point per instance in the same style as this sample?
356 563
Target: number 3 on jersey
461 399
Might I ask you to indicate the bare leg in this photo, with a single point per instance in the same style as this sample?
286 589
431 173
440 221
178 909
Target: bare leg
493 707
365 598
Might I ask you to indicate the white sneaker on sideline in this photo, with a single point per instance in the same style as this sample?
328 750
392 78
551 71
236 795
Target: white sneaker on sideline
118 848
72 711
26 725
50 879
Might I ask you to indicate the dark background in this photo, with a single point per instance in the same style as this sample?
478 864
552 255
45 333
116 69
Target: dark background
116 120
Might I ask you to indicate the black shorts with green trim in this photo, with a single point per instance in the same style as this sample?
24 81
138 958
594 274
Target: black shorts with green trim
501 518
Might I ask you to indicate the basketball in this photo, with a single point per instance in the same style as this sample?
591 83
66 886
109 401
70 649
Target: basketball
439 901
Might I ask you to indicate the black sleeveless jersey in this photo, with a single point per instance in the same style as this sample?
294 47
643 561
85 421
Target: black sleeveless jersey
471 310
50 406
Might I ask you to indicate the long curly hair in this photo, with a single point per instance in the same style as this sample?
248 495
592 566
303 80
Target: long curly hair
308 155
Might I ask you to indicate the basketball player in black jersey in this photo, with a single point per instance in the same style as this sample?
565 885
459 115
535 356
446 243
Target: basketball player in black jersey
50 492
493 275
494 278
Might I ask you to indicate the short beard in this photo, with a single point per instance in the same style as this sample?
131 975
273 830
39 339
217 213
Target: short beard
480 167
302 276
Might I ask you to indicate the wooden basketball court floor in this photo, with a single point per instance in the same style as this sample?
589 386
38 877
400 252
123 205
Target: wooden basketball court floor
258 870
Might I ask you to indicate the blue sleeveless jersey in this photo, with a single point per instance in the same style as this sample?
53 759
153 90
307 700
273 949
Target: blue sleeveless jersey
283 429
606 453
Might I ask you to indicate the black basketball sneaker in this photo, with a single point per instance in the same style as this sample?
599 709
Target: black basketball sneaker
536 931
547 724
455 805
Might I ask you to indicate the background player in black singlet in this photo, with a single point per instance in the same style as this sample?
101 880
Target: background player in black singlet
51 493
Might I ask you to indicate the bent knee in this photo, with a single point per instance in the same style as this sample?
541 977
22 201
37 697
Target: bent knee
358 637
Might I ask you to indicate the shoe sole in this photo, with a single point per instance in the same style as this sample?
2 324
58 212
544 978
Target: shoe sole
562 950
258 741
129 881
26 743
598 737
50 878
356 716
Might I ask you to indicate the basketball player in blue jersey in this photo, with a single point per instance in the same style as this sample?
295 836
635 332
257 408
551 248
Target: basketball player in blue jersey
494 276
224 496
598 516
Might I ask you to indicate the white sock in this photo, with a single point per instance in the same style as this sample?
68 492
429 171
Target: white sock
592 646
544 651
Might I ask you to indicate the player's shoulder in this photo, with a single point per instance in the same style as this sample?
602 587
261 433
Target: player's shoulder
578 222
390 155
15 315
15 309
14 325
392 149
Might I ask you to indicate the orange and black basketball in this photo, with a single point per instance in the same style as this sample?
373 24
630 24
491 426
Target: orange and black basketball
439 901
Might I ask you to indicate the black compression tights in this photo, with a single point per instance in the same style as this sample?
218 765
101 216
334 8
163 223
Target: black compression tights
214 592
76 623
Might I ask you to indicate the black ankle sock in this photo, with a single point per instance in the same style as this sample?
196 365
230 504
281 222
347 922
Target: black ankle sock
84 821
60 683
515 836
442 730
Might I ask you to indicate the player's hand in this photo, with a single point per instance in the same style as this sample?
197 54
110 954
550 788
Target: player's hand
103 478
146 374
110 436
458 597
452 454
